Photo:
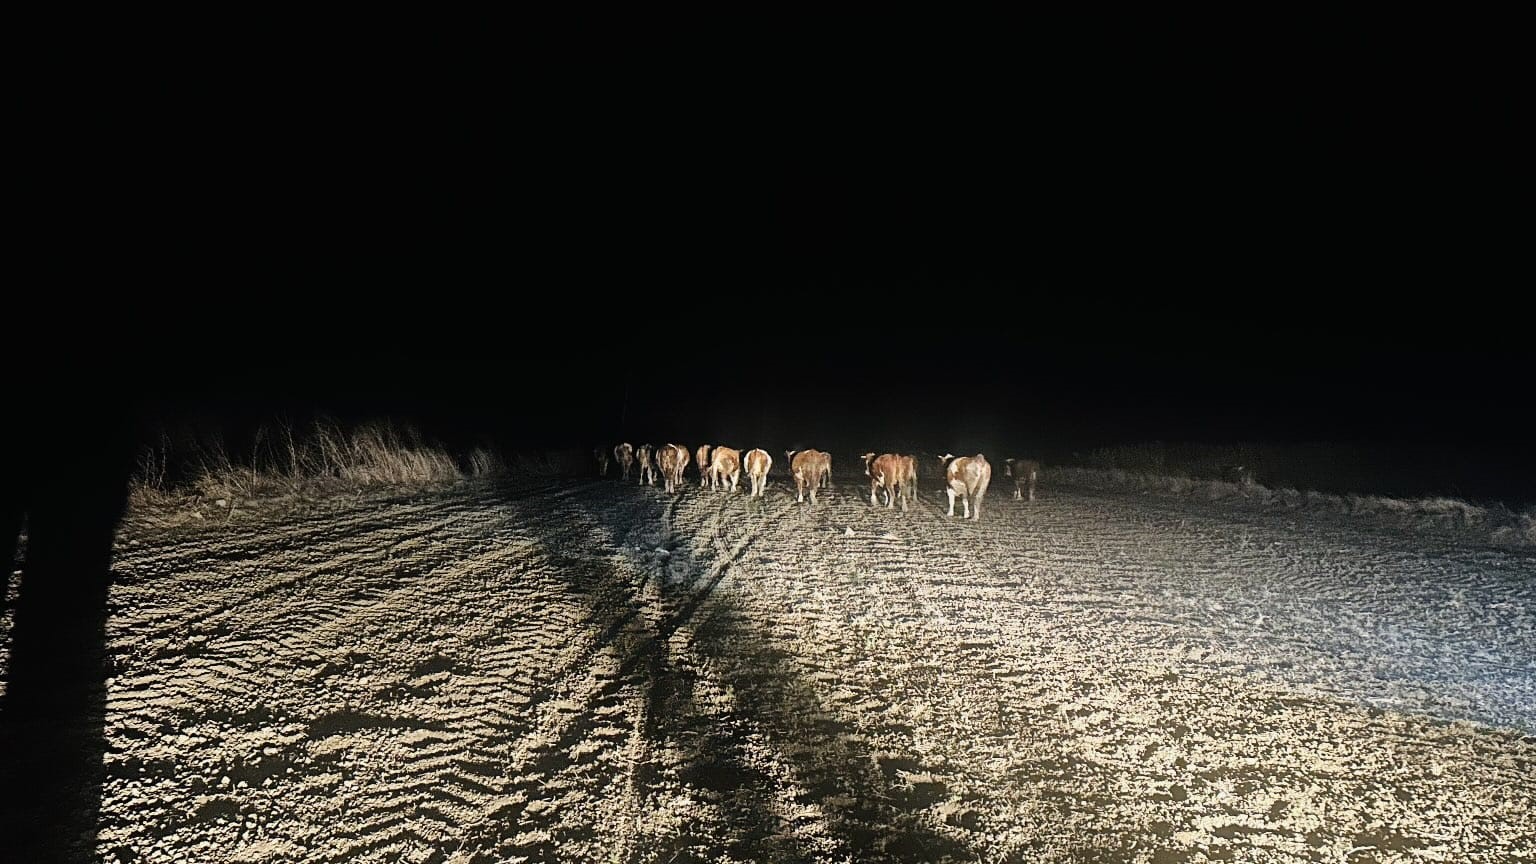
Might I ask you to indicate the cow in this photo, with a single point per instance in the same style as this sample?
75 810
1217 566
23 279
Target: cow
672 459
647 465
724 467
601 456
968 477
1024 473
757 463
809 468
624 454
702 457
896 475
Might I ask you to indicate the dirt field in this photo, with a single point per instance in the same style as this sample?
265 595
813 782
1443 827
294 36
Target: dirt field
593 671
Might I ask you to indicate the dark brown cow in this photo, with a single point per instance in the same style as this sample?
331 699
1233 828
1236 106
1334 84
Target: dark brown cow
896 475
601 455
672 459
625 455
702 457
647 465
810 469
1024 473
757 463
968 477
724 467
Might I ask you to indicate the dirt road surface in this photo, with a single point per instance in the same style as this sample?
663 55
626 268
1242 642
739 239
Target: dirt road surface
587 670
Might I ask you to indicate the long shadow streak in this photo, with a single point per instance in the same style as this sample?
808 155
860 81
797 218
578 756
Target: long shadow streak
836 774
52 714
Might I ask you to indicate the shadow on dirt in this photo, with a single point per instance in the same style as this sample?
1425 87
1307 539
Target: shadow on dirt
705 733
52 716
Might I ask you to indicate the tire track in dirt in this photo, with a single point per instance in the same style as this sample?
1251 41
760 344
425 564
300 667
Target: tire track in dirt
618 682
266 532
1348 613
600 672
1124 696
1077 680
481 792
789 743
373 613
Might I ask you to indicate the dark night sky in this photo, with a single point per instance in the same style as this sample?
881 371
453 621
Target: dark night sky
1087 251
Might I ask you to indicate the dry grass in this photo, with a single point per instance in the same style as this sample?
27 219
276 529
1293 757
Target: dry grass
284 464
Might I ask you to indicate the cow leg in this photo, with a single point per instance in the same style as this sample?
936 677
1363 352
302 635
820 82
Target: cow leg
951 501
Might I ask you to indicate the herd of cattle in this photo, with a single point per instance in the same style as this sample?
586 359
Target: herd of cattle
892 477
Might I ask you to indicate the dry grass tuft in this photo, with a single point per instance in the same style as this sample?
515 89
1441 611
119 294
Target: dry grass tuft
284 464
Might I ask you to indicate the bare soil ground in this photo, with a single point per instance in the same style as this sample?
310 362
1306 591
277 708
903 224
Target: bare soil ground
595 671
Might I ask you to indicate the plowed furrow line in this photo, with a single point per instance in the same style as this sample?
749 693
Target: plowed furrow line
315 628
238 542
582 682
353 562
175 549
254 583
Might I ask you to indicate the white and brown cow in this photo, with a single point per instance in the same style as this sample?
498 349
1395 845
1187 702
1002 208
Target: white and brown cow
809 468
968 477
672 459
702 457
624 454
895 475
647 465
724 467
601 455
757 462
1024 473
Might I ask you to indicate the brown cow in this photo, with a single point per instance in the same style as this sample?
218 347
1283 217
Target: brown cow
672 459
625 455
896 475
757 463
647 465
1024 473
809 468
968 477
701 456
601 456
724 467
